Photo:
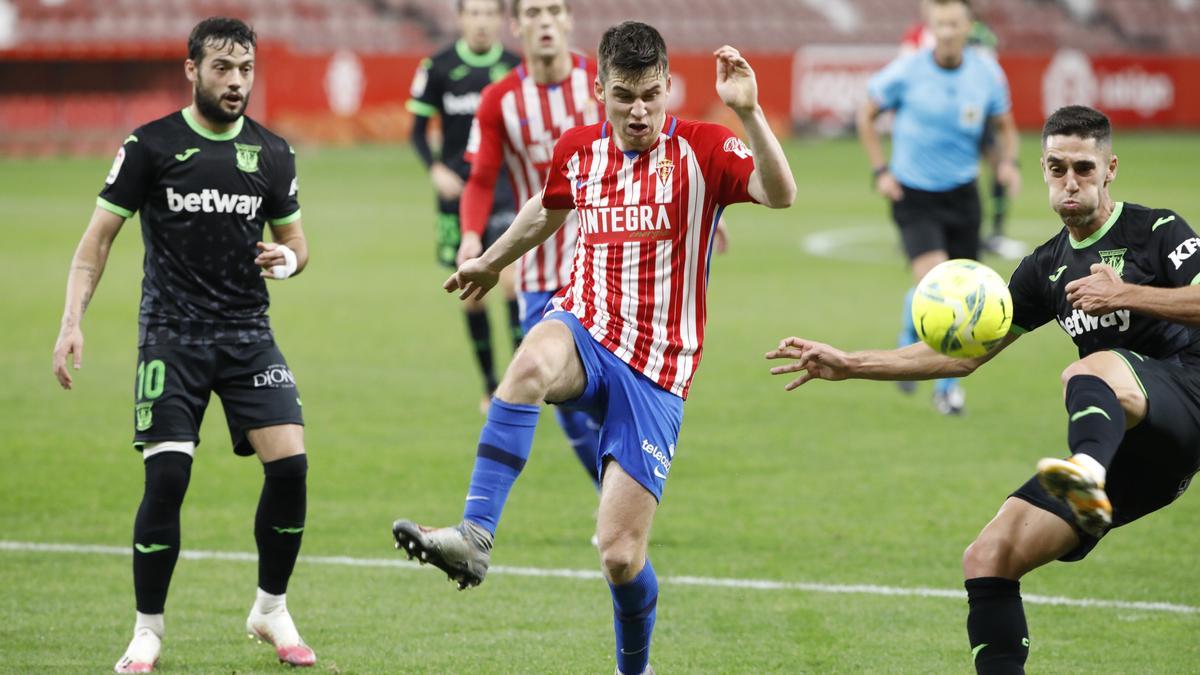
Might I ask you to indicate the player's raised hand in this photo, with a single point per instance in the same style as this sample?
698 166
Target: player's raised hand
736 84
1097 293
818 361
473 279
68 345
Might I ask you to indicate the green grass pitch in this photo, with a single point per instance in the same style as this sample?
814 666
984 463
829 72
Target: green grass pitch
847 483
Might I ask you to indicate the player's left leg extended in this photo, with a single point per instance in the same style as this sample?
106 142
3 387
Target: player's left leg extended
582 432
623 532
1103 398
278 530
547 366
1021 538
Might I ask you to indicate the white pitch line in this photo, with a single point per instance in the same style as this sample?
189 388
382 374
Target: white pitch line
706 582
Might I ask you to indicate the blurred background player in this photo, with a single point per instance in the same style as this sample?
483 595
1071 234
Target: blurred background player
518 122
447 85
1121 280
649 189
943 98
919 36
206 180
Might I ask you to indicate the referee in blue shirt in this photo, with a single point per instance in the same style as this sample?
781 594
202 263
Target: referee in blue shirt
943 99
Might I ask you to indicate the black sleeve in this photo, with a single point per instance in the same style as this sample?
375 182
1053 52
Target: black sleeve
1177 249
283 201
420 141
126 185
1030 308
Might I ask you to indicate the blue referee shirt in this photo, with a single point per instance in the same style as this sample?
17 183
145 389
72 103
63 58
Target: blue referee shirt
941 115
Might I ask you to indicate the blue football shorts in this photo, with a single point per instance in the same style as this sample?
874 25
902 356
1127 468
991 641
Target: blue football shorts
639 420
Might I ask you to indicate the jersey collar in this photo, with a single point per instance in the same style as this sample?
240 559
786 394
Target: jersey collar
1099 234
484 60
199 128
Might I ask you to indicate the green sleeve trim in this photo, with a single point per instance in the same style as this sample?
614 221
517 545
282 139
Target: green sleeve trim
1099 234
286 220
420 108
1195 280
211 135
1014 329
109 206
128 138
484 60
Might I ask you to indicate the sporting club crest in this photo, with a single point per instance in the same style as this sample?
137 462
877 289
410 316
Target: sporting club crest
1114 259
247 157
664 170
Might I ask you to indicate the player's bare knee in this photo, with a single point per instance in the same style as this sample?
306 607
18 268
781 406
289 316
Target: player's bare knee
621 558
528 378
989 555
1080 367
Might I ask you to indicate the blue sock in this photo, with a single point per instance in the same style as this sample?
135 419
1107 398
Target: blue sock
584 436
908 331
634 607
504 446
944 385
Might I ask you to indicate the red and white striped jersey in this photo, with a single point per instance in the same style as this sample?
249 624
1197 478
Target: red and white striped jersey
518 123
646 226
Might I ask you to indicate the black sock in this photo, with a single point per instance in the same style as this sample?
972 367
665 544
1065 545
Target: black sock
279 522
514 323
1096 421
156 528
480 331
999 207
996 626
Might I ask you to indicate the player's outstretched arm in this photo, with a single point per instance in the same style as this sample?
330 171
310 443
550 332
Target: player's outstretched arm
885 183
275 261
533 225
86 268
819 361
772 183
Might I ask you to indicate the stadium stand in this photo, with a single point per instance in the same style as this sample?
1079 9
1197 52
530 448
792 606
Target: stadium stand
58 57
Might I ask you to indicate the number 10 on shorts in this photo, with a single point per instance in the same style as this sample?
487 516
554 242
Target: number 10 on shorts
151 378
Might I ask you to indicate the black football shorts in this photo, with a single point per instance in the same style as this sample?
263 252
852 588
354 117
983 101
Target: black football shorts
174 383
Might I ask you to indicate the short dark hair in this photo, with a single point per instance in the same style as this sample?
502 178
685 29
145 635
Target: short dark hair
222 32
632 47
460 4
517 7
1081 121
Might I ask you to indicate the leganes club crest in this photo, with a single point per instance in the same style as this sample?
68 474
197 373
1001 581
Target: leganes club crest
1114 259
247 157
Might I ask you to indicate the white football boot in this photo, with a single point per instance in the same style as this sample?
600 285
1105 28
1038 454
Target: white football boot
270 622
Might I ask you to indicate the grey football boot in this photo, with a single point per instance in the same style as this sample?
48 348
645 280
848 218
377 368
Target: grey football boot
462 551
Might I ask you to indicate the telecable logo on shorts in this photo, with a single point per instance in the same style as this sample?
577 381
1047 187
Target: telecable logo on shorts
663 458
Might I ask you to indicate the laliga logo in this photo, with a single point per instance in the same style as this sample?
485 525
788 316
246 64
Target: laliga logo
1070 79
736 146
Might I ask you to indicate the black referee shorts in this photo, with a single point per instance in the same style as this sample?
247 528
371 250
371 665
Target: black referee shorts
174 383
1156 460
939 221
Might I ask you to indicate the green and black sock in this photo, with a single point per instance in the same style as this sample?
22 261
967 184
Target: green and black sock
996 626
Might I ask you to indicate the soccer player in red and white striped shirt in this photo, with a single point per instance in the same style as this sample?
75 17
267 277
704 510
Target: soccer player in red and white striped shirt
625 337
519 119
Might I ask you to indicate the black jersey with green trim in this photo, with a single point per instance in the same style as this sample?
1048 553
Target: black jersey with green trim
204 199
449 84
1150 247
